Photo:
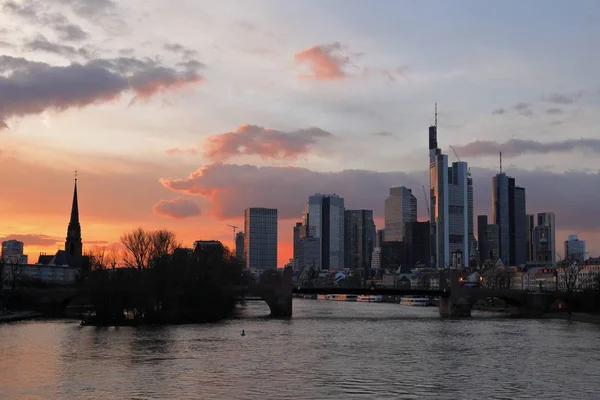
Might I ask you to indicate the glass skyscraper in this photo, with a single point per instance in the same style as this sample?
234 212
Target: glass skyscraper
260 238
400 208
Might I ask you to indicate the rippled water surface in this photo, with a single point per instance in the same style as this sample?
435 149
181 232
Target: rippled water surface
328 350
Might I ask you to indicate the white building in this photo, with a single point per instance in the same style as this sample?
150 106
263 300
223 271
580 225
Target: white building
376 259
324 218
260 238
400 208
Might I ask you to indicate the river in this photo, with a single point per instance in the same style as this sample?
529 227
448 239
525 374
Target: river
328 350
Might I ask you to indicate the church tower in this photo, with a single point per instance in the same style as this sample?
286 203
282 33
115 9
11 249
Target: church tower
73 244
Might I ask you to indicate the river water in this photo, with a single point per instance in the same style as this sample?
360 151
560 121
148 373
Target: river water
328 350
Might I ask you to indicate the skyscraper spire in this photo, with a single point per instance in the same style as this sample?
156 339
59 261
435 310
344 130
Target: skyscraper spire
73 244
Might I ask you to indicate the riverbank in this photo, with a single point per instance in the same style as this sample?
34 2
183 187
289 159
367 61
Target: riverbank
20 316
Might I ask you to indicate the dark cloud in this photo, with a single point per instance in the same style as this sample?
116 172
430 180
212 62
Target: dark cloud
517 147
34 240
40 43
34 12
32 87
553 111
559 98
384 134
126 52
179 49
523 109
178 208
191 64
231 188
263 142
556 123
499 111
91 9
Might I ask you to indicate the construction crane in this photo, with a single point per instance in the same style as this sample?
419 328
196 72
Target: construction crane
458 158
234 228
426 201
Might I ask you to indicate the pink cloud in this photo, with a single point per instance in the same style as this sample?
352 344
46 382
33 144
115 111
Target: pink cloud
323 61
177 150
178 208
264 142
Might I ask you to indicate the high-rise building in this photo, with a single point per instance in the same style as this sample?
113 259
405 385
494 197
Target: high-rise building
548 219
449 207
417 242
324 217
482 239
12 251
542 249
73 243
309 253
575 249
379 237
260 238
400 208
296 244
393 255
470 221
508 212
239 245
530 223
376 259
358 239
493 242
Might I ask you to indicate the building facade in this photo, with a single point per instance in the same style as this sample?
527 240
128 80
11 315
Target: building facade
239 245
482 240
418 245
325 221
400 208
12 251
260 238
359 237
575 249
548 219
530 224
509 213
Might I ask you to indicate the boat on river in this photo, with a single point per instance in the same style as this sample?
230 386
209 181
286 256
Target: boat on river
338 297
414 301
370 299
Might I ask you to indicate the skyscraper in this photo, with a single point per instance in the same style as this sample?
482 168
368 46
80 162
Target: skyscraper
325 221
239 245
400 208
379 237
470 221
530 223
509 213
548 219
260 238
417 243
73 244
575 249
482 239
358 239
296 244
438 184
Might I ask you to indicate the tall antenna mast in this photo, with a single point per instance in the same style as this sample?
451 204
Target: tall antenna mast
436 115
500 162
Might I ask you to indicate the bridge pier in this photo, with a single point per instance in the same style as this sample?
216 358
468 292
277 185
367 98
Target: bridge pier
456 304
281 301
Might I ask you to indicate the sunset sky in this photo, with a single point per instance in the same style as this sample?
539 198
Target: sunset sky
180 114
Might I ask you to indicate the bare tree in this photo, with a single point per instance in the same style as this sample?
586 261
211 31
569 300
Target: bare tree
103 258
569 280
15 265
143 247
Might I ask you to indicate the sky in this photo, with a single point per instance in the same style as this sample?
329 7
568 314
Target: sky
179 115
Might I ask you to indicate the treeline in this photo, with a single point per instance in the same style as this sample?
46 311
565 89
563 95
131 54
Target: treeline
154 280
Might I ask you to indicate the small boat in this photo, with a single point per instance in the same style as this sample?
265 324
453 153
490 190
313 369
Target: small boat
414 301
370 299
243 333
343 297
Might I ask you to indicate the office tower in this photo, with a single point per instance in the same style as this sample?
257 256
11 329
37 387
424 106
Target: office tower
548 219
324 216
239 245
400 208
309 253
358 239
472 241
393 255
376 259
575 249
379 237
296 244
482 239
530 223
542 249
417 242
508 212
449 207
12 251
493 242
260 238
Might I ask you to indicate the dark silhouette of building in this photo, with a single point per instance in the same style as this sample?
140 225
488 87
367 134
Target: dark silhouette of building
482 240
73 244
417 240
239 245
509 213
359 230
393 255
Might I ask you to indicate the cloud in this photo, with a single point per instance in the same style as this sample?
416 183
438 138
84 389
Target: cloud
29 88
231 188
179 49
323 61
177 150
263 142
559 98
40 43
91 9
71 32
552 111
383 134
177 208
523 109
499 111
34 240
517 147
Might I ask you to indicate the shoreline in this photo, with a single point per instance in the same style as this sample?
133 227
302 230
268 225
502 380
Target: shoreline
20 316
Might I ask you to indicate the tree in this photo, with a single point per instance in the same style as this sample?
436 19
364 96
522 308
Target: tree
424 279
143 247
569 281
15 266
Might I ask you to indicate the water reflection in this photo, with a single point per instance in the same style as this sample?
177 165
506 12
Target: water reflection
328 350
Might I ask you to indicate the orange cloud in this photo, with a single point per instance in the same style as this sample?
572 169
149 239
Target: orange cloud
323 61
177 150
264 142
34 240
178 208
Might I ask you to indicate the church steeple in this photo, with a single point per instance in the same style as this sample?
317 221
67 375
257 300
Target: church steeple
73 243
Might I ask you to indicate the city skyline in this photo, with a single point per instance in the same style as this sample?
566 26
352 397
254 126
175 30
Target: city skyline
343 108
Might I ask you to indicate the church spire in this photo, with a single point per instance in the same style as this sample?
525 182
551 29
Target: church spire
73 244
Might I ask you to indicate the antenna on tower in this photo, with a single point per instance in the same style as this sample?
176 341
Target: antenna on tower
75 175
500 162
436 115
